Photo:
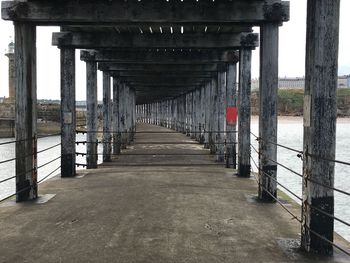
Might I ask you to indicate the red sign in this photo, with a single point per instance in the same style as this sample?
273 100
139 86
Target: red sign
231 115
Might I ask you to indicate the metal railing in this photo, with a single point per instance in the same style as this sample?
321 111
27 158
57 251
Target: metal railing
300 155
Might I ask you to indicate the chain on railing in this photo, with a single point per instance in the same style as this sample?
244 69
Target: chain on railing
36 169
300 155
223 142
30 186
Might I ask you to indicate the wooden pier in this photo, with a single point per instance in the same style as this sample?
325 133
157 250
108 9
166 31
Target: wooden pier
181 65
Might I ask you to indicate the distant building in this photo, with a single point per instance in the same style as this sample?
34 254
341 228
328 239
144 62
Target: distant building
299 83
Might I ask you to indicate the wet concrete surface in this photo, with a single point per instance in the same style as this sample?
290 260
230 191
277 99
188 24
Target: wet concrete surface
152 208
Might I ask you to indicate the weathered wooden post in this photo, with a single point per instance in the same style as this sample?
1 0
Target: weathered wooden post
231 113
221 107
68 112
207 114
91 113
268 111
192 103
122 109
183 113
244 112
107 117
213 115
116 117
202 121
248 42
320 113
26 114
128 112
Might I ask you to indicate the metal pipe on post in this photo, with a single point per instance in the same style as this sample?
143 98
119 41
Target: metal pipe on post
26 113
320 113
107 117
91 114
68 112
268 111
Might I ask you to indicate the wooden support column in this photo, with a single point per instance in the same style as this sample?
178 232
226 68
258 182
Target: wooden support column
183 114
192 115
203 110
122 106
221 106
268 112
320 113
214 115
26 114
107 117
231 124
195 113
244 112
68 112
134 118
207 113
128 111
91 114
201 115
116 117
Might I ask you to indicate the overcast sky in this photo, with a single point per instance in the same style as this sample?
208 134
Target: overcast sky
292 53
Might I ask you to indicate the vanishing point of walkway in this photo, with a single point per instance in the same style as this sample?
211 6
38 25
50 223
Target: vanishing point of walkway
151 208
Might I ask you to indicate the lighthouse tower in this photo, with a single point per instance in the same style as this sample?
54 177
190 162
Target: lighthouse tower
11 55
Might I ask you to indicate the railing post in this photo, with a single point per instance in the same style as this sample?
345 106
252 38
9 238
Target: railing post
26 113
68 112
320 113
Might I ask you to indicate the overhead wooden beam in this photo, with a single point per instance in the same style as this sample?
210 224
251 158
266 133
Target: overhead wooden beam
119 12
164 83
181 68
165 74
160 57
164 79
100 40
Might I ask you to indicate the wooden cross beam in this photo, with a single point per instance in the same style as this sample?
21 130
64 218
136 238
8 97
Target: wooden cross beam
119 12
165 74
106 40
160 57
180 68
163 82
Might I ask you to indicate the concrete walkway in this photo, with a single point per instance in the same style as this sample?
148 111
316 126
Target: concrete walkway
152 210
